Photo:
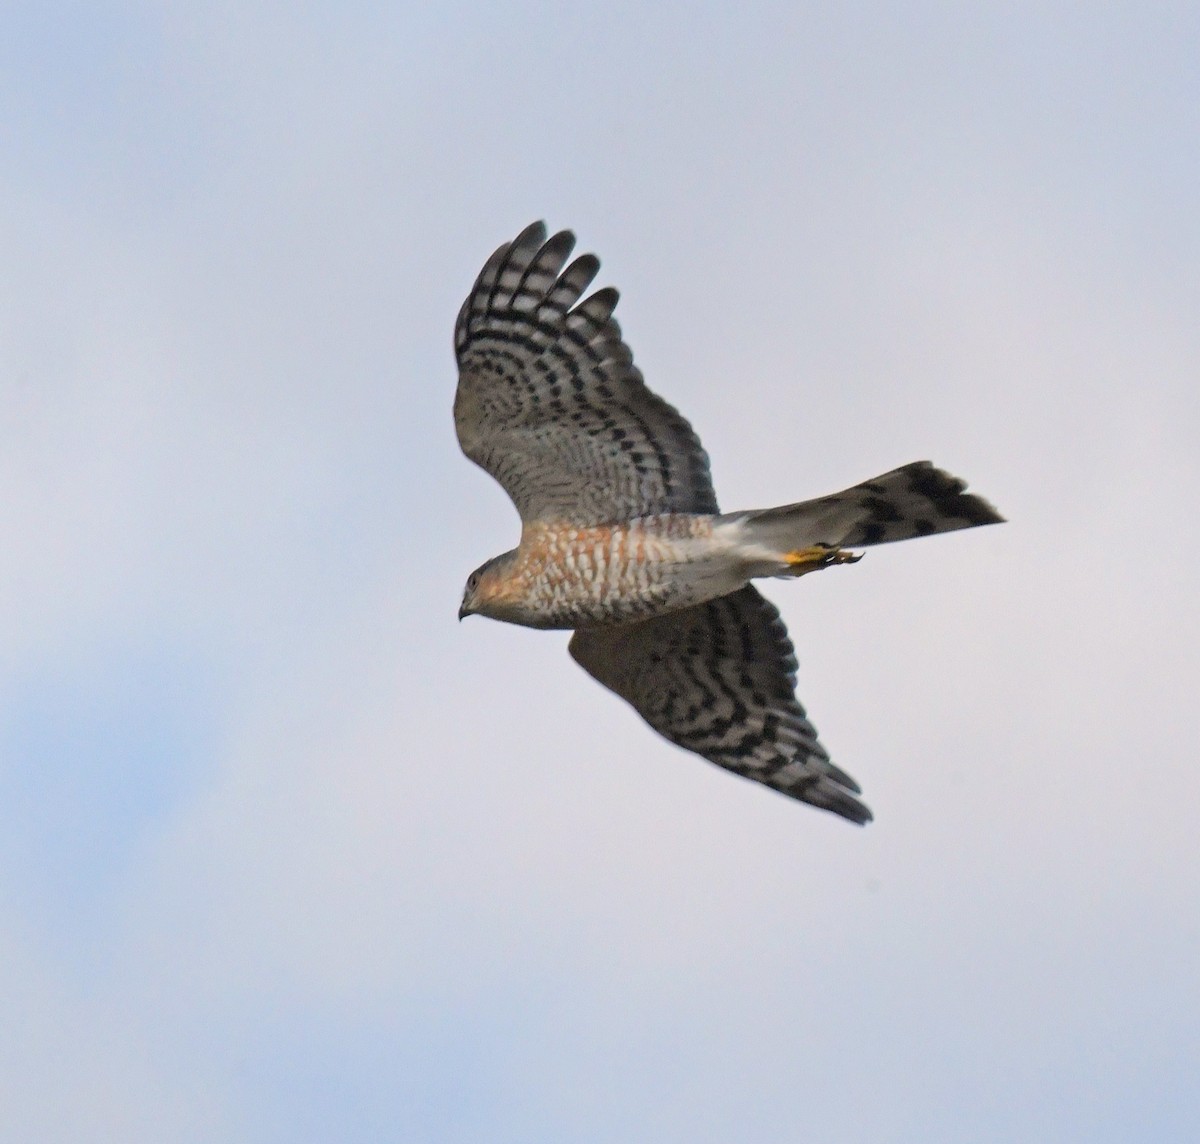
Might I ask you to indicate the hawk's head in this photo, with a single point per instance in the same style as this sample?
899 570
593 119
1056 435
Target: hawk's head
486 586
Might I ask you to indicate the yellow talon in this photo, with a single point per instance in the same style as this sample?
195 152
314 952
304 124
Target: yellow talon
804 560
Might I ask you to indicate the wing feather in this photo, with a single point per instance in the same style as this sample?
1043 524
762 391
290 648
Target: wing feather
719 679
550 403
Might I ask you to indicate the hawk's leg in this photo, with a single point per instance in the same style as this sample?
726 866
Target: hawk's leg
818 556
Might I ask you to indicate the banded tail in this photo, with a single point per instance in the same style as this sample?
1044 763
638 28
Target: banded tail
916 500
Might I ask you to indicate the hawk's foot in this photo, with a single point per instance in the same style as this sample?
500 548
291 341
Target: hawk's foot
818 556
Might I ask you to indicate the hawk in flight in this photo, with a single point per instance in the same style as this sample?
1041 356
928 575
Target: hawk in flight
621 537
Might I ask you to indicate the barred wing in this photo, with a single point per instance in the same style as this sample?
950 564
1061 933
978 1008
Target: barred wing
550 403
719 679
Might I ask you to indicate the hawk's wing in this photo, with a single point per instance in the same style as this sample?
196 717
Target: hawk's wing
550 403
719 679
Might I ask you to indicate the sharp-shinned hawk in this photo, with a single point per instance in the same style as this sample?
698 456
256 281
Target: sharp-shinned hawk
621 537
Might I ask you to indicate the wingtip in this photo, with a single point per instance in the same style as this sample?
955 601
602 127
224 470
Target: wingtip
533 234
853 811
831 795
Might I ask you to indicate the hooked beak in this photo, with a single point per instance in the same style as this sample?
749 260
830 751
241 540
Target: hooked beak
462 611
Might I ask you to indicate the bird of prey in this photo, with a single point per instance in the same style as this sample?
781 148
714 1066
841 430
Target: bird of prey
621 536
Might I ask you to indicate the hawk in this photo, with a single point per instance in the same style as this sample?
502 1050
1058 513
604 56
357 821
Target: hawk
621 536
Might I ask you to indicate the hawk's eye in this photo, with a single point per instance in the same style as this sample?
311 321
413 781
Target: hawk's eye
473 581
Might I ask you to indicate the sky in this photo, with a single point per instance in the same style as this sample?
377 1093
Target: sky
289 855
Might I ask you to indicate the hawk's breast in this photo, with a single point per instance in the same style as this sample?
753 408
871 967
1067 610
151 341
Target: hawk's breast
568 576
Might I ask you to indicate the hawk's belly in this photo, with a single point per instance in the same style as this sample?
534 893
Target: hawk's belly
566 576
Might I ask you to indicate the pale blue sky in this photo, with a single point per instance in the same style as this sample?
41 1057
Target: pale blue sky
288 855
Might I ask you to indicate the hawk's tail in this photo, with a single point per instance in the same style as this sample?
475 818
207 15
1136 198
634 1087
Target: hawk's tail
916 500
